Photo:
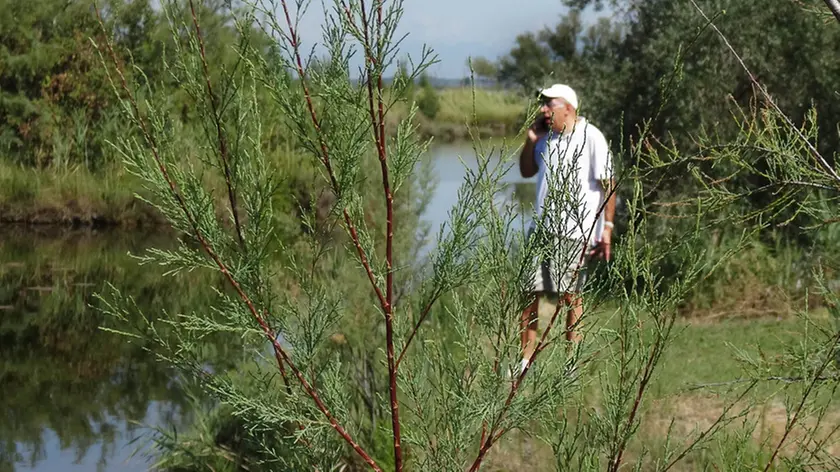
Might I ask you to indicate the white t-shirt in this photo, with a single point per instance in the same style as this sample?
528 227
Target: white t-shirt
574 164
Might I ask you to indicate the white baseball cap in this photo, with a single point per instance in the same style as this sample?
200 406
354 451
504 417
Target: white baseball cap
561 91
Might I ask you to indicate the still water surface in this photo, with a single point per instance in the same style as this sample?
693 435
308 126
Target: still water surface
75 398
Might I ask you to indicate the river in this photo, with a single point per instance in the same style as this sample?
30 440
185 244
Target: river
76 398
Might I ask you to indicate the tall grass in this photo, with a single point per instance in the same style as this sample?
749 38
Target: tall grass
71 195
492 113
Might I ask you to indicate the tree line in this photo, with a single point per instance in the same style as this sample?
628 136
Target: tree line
57 107
655 71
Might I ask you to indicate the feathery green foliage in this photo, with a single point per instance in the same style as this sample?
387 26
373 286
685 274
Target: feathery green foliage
361 359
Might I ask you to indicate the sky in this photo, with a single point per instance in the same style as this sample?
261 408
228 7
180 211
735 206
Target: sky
456 29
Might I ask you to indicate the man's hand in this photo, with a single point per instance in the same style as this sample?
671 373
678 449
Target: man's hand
537 130
533 137
603 248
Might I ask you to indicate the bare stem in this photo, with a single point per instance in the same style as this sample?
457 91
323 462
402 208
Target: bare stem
375 101
386 300
354 235
646 376
295 43
488 440
494 434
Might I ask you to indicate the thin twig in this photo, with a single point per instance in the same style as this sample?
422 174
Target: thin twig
354 235
763 379
494 435
278 349
646 376
813 150
420 320
224 154
295 43
386 299
325 154
706 433
819 446
828 359
834 6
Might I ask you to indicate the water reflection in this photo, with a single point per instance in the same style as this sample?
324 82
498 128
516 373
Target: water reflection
71 394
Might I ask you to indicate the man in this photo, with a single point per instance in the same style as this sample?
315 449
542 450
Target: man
572 162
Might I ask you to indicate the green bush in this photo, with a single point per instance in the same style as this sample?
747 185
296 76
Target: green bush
428 102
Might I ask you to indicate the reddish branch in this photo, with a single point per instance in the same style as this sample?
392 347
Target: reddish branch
267 331
325 155
354 235
710 429
224 154
646 376
489 439
373 66
281 366
295 43
420 320
378 123
495 433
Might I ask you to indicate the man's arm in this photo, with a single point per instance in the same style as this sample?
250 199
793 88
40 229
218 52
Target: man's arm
527 163
609 195
604 248
602 169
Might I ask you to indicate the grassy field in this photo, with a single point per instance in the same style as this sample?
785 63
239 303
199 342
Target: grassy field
491 113
701 353
697 379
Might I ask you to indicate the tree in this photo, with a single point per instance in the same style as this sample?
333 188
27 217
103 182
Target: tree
56 108
618 65
428 103
447 335
483 68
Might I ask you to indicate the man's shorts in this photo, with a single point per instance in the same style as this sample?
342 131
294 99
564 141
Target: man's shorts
565 272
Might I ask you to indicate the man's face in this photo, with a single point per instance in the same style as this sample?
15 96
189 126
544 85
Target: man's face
555 111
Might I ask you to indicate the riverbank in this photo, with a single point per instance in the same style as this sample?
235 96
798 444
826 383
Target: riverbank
72 197
77 196
491 113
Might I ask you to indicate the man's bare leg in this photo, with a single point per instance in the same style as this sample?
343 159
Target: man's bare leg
530 318
573 315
